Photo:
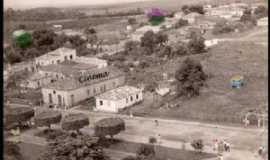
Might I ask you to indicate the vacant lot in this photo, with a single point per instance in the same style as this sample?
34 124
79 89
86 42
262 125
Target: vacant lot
218 102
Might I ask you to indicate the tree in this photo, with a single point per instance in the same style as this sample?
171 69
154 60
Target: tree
43 37
196 44
181 49
24 40
197 145
131 45
261 11
180 23
12 151
190 78
223 27
91 36
161 38
152 140
48 118
165 51
148 40
131 21
19 114
247 17
75 122
109 126
196 8
76 147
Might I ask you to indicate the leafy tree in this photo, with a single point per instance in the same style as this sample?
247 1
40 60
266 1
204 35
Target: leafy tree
152 140
197 145
79 147
131 46
12 151
132 21
180 23
109 126
196 44
48 118
196 8
190 78
76 41
223 27
161 38
185 9
261 11
247 17
181 49
75 122
43 37
32 53
165 51
91 36
24 40
148 40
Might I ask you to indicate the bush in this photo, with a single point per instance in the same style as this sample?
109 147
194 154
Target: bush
190 78
193 8
247 17
81 147
181 49
152 140
197 145
196 44
145 150
181 23
222 27
75 122
48 118
109 126
261 11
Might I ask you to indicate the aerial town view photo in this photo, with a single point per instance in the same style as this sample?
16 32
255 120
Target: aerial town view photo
135 80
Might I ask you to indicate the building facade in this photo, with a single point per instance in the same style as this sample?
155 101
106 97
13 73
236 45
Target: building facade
119 98
55 57
69 92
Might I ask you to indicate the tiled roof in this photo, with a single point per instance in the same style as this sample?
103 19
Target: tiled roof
73 82
119 93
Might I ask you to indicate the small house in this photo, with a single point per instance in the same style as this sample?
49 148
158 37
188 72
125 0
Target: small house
119 98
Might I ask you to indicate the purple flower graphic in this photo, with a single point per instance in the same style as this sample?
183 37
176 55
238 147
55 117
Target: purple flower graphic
155 12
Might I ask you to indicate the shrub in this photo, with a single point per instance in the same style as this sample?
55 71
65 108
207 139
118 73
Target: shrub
248 17
261 11
190 78
145 150
197 145
48 118
75 122
152 140
109 126
193 8
196 44
81 147
222 27
180 23
181 49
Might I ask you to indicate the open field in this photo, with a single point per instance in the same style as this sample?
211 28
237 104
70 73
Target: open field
218 102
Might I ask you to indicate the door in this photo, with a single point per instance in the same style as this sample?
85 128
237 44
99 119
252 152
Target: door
72 99
59 100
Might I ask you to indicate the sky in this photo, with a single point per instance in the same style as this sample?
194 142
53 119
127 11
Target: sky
24 4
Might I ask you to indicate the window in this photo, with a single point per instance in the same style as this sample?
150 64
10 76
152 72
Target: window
38 83
126 100
137 96
54 92
101 103
50 98
56 76
58 61
131 98
70 56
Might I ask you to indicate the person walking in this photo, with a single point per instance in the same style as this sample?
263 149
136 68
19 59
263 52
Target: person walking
156 122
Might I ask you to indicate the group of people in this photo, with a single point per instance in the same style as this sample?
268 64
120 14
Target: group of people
221 146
